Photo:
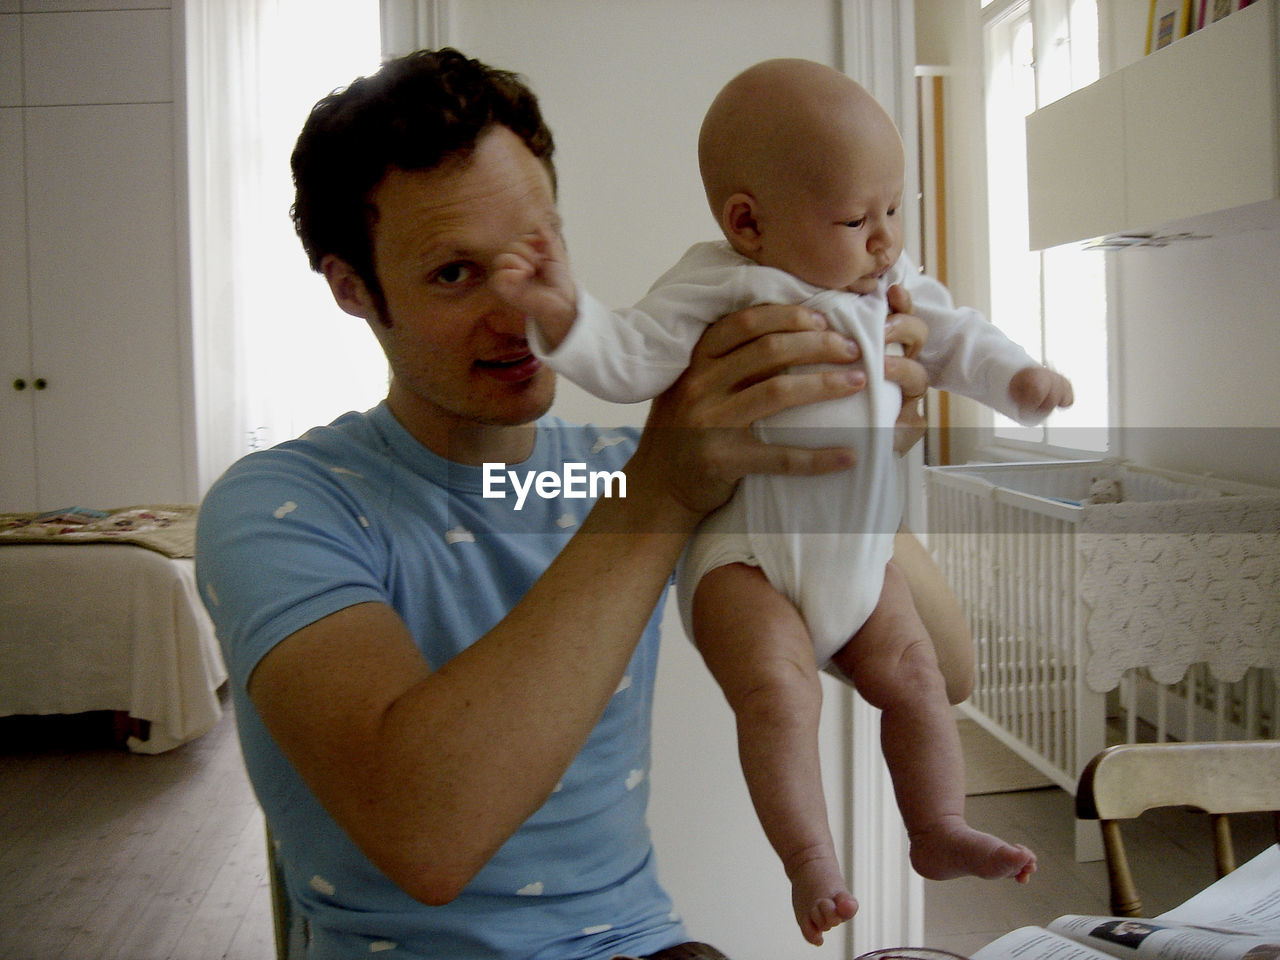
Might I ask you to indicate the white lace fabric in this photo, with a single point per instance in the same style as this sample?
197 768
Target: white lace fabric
1166 584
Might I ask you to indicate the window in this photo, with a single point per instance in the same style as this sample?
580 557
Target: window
1053 302
275 355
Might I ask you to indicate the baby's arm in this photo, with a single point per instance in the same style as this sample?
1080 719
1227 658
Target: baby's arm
623 355
967 354
533 277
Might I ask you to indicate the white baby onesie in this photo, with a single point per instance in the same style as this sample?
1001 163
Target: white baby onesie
822 541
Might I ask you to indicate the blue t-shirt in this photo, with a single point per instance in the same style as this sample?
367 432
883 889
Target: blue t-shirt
360 511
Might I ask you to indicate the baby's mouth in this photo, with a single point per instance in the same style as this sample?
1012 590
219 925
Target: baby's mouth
871 280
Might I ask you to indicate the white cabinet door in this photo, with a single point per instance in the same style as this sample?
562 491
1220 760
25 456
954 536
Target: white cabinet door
10 60
1077 192
92 261
1184 133
1200 127
104 304
90 57
17 437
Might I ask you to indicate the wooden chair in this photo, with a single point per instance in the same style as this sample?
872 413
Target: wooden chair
1221 778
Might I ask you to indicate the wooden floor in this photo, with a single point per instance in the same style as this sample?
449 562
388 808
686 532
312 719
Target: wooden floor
108 855
105 855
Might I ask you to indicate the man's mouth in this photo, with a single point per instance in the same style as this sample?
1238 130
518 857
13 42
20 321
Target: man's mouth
510 369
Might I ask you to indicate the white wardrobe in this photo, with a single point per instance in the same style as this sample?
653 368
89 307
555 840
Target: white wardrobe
95 359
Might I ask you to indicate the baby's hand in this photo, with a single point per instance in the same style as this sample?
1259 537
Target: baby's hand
533 277
1038 391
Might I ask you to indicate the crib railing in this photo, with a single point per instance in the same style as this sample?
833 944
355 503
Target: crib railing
1198 707
1018 595
1011 554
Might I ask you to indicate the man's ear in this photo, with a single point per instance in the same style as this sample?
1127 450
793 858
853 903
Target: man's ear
739 219
349 290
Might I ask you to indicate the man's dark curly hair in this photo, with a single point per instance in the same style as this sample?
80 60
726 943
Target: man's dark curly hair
415 113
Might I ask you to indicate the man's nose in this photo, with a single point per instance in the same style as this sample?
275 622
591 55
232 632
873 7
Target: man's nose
504 319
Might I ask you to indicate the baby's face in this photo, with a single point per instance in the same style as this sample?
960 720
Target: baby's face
841 227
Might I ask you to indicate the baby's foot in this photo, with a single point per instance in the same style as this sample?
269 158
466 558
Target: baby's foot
952 848
820 898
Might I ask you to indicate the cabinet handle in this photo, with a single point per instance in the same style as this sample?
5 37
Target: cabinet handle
19 384
39 383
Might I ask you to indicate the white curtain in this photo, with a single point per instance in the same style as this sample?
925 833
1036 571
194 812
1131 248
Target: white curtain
274 354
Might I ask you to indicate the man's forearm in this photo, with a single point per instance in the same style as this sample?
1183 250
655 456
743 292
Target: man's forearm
431 781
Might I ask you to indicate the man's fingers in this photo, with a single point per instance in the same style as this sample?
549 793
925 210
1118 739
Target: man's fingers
800 461
910 426
908 330
733 331
734 453
786 390
899 299
907 374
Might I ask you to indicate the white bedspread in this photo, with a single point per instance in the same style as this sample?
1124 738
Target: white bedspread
108 627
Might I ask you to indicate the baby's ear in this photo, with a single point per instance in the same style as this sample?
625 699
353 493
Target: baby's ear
739 221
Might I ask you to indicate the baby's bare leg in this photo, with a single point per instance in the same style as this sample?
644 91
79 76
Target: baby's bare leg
891 661
755 643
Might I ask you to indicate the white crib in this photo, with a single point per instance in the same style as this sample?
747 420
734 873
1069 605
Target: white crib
1150 619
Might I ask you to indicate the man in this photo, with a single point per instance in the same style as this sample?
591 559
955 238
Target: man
443 700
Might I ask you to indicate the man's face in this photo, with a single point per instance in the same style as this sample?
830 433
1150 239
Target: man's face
459 358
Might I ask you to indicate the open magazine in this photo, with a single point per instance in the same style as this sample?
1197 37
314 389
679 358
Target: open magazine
1237 918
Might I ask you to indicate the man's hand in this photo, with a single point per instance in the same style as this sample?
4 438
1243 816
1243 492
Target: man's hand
910 331
698 440
903 326
533 276
1038 391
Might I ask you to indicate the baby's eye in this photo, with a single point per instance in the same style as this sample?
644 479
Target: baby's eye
856 224
453 274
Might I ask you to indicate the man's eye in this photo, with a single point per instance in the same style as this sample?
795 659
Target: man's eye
452 274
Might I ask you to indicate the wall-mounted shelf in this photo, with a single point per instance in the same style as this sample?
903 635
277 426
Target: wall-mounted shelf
1167 144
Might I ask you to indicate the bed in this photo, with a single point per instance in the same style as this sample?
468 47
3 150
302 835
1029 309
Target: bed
99 612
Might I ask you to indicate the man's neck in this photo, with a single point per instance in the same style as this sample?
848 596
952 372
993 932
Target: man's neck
476 444
463 441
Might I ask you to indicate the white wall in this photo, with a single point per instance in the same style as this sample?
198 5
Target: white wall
623 87
1200 356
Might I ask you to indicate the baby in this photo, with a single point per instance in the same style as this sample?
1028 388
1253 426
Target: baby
804 172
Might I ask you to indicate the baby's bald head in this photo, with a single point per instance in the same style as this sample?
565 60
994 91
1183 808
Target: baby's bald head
784 124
